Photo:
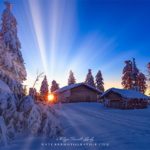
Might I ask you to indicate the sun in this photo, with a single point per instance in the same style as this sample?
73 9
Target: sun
51 97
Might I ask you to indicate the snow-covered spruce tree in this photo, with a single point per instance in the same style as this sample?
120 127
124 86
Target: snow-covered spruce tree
44 88
130 75
71 79
127 75
99 81
148 70
16 118
148 76
12 66
90 79
133 78
142 83
135 74
54 86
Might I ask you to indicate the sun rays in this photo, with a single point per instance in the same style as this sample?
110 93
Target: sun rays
59 24
38 29
56 28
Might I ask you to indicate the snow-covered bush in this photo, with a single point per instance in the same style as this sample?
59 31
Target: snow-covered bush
40 118
34 119
26 104
7 115
30 117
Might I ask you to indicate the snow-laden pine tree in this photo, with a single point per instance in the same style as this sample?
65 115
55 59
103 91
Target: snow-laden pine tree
142 82
44 88
148 70
130 75
135 74
99 81
90 79
55 86
148 75
127 75
25 115
133 78
71 79
12 69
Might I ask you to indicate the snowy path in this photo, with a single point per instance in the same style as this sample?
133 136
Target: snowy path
121 129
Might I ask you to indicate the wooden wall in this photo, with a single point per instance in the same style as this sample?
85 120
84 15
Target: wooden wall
84 94
113 96
116 101
79 94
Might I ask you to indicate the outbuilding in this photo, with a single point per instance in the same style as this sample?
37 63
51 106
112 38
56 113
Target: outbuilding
124 99
79 92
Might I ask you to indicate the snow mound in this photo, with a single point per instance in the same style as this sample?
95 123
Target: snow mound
3 128
7 117
27 104
4 87
40 119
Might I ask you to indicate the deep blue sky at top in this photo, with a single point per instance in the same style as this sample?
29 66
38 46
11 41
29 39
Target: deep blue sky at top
97 34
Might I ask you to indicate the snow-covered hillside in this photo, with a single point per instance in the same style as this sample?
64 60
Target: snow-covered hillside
111 129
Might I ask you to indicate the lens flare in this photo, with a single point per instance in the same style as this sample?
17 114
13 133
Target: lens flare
51 98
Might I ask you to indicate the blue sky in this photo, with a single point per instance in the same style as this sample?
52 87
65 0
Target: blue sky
59 35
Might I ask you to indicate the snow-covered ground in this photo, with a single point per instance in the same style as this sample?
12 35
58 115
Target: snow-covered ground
110 129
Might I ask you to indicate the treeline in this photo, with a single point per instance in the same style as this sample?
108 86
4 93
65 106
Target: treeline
132 78
44 88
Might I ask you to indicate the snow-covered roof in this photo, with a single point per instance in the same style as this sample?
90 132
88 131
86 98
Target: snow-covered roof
4 87
65 88
129 94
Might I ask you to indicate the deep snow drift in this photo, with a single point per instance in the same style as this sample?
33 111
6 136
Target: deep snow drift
119 129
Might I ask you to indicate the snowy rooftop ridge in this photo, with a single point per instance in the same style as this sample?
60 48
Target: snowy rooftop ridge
130 94
65 88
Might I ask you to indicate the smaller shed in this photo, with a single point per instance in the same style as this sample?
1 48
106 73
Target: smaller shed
79 92
124 99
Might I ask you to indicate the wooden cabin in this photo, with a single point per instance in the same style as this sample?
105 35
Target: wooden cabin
124 99
79 92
